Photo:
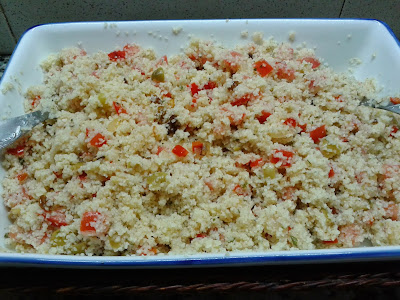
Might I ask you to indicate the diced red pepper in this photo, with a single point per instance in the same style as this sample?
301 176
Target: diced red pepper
286 160
18 151
22 177
153 251
335 241
339 98
168 94
117 55
238 190
394 130
25 193
98 140
236 121
263 68
313 61
331 173
159 149
263 117
36 100
303 127
194 89
56 218
87 222
83 176
257 163
178 150
318 133
290 122
131 50
287 74
395 100
231 63
164 59
243 100
197 147
392 211
210 85
201 235
209 184
119 109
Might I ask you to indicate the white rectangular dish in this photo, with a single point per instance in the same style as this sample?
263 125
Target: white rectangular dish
336 41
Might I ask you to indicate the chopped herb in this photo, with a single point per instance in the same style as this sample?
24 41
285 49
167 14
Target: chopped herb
294 240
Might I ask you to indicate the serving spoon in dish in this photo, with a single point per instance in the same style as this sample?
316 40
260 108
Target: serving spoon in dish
12 129
395 108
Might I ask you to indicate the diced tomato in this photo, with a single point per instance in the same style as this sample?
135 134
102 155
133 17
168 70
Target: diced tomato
262 67
331 173
36 100
88 221
335 241
178 150
197 147
243 100
394 130
117 55
56 218
98 140
194 89
318 133
283 156
263 117
395 100
18 151
119 109
131 50
313 61
287 74
210 85
290 122
22 177
257 163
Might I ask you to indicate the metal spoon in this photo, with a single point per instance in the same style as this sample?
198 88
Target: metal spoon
395 108
12 129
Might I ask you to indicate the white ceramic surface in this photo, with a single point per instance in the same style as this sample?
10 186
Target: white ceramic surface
335 40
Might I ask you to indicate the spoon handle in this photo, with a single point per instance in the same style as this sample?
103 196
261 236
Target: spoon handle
12 129
393 108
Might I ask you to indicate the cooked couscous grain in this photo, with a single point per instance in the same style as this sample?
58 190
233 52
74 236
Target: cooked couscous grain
214 150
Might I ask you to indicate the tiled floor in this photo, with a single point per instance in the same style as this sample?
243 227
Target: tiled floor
18 16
